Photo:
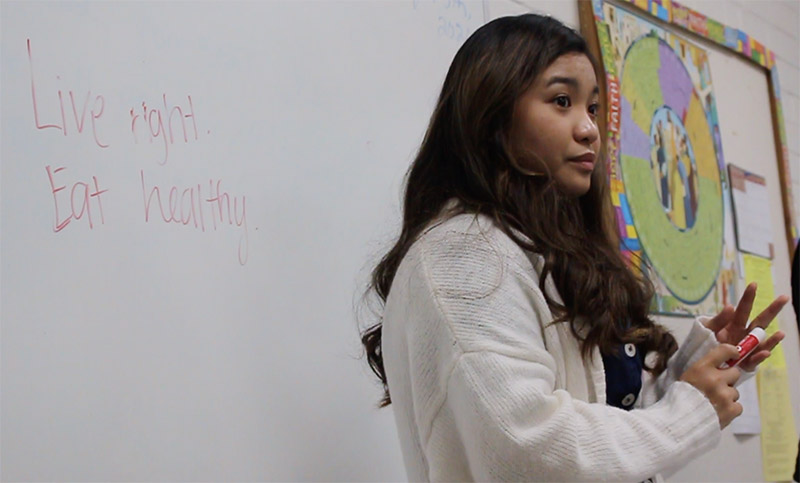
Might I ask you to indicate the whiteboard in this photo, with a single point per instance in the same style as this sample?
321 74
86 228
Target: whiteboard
193 195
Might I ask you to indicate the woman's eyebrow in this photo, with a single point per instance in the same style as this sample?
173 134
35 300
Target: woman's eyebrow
570 81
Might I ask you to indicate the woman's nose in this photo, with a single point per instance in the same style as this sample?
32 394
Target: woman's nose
586 130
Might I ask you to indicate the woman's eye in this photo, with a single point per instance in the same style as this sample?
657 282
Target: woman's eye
562 101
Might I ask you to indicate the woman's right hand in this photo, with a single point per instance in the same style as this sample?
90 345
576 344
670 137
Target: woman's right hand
717 384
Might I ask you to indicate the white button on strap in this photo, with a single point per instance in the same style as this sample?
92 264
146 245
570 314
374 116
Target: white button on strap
630 350
628 400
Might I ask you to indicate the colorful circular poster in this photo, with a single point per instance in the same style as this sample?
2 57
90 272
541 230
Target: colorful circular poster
670 169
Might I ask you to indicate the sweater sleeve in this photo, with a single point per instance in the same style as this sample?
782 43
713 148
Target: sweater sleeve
696 345
500 391
514 426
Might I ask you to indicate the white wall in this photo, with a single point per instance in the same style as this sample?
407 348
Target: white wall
776 24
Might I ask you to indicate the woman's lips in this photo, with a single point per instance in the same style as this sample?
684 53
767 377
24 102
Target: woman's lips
585 161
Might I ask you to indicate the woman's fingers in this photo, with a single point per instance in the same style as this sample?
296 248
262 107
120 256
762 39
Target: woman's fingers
767 315
762 352
720 354
715 383
730 326
772 341
745 306
721 320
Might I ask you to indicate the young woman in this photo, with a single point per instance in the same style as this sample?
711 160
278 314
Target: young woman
515 341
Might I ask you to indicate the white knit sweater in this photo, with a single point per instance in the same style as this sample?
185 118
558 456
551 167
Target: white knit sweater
484 389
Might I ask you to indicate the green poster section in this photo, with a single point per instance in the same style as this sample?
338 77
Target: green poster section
686 260
640 81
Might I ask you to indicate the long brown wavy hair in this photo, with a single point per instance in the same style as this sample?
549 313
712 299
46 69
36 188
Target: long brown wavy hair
466 155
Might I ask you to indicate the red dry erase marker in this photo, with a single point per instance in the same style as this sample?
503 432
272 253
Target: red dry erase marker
746 346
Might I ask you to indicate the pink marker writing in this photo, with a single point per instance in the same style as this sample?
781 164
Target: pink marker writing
746 346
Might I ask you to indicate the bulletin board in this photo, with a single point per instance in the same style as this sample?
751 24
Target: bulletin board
674 133
665 156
